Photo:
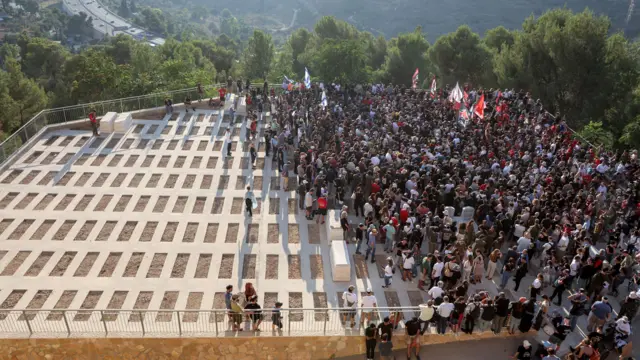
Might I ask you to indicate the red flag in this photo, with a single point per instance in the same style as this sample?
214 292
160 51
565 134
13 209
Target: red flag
433 87
414 79
479 108
498 97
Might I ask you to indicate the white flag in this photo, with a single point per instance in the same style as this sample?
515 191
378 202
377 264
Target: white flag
324 102
456 94
307 79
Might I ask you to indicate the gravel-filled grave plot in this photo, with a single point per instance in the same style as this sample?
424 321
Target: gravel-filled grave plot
9 198
64 159
195 162
142 303
42 230
275 183
138 129
127 231
166 130
122 203
190 232
245 164
293 236
86 264
29 178
227 163
206 182
36 303
164 161
236 205
148 231
131 161
187 145
25 201
83 140
295 302
12 176
194 302
102 178
85 230
317 270
257 183
320 302
39 263
116 302
271 267
171 181
314 233
64 180
270 299
235 131
63 263
249 266
115 160
241 182
11 301
295 271
142 203
198 205
415 297
381 263
63 303
222 130
83 203
260 163
194 130
99 160
32 157
202 145
203 265
234 145
15 263
179 162
273 233
83 179
49 158
127 144
89 303
218 203
64 203
117 182
253 231
274 206
232 233
172 145
180 204
4 224
152 129
168 303
392 298
180 130
292 206
360 264
224 182
208 131
82 159
157 263
169 232
103 202
142 144
64 229
153 181
110 264
218 303
188 181
147 161
46 179
217 146
19 231
106 230
211 233
226 266
212 161
157 144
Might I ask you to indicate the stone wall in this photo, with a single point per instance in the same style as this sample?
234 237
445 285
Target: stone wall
265 348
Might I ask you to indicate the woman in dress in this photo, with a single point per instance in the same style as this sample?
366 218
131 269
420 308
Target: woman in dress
467 267
478 267
249 291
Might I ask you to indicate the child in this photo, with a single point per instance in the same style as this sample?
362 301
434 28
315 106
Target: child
276 317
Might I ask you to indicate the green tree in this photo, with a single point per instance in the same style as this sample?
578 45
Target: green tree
408 53
342 61
596 134
132 7
258 55
80 24
123 10
631 134
298 42
498 37
152 19
21 97
377 50
42 59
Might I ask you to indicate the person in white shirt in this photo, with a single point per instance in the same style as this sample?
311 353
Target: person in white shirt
407 266
426 314
388 272
436 291
350 301
308 203
444 310
369 302
524 243
536 286
436 273
561 247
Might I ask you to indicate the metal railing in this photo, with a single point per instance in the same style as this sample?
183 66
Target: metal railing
177 323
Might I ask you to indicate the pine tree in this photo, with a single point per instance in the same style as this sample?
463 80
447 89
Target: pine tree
124 9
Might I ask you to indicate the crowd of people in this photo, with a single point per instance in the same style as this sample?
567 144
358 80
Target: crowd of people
506 190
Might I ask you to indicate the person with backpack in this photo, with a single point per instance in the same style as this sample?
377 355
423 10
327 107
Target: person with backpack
517 310
471 314
487 316
578 301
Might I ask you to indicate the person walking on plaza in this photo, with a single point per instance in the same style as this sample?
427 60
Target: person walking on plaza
349 302
600 314
254 311
578 302
94 122
248 201
285 176
370 341
361 236
388 272
254 155
227 301
371 246
369 303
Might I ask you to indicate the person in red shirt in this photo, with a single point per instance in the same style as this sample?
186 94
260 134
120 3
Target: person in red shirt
404 215
322 209
375 188
223 93
94 122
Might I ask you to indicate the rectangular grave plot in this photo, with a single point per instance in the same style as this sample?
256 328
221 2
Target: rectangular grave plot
32 157
392 298
260 163
169 232
194 301
161 204
39 263
245 164
103 203
42 230
293 234
236 205
142 144
168 303
121 205
47 178
138 129
381 262
29 178
157 263
190 232
106 230
113 142
19 231
82 159
142 203
64 229
232 233
270 299
253 233
217 146
127 231
234 145
83 140
115 160
222 131
142 303
153 180
295 271
110 264
179 162
171 181
194 130
360 264
83 179
127 144
86 264
317 270
226 266
212 161
227 163
320 302
157 144
63 303
180 204
274 206
180 130
49 158
15 263
292 206
295 302
147 161
131 161
25 201
63 263
64 180
218 304
64 203
273 234
242 182
85 230
275 183
166 130
206 182
195 163
415 297
202 268
117 182
148 231
180 266
224 182
102 178
174 116
200 118
4 224
152 129
116 302
218 203
12 176
271 269
36 303
89 302
198 206
249 266
133 265
164 161
64 159
135 181
172 144
211 233
235 131
208 131
66 141
314 233
202 145
257 183
99 160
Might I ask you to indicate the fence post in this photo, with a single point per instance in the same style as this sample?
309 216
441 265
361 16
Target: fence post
326 317
215 320
289 321
64 114
139 106
26 318
66 323
104 323
141 322
179 324
4 155
121 108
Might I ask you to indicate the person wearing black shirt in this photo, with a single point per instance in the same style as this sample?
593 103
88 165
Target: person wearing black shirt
524 351
502 310
412 328
562 329
254 312
386 328
370 340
